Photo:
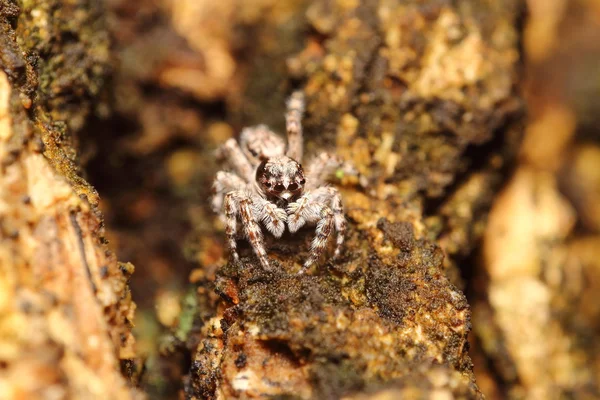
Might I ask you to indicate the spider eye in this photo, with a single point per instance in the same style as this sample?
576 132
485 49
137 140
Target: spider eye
268 184
253 152
293 186
303 181
279 187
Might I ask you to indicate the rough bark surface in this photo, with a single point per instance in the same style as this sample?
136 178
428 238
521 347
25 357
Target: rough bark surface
536 304
65 309
421 95
411 93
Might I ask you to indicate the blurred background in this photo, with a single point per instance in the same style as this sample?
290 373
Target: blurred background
184 68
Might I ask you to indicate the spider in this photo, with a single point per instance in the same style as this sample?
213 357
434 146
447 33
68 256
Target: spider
268 186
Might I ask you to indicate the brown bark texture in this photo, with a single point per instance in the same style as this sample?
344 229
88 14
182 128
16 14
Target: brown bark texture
65 308
110 113
421 98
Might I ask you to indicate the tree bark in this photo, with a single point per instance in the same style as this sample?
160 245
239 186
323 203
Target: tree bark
421 99
420 96
65 309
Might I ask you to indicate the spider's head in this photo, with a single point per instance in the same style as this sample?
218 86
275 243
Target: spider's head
281 177
259 143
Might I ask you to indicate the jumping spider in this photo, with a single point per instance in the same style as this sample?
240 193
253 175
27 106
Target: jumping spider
269 187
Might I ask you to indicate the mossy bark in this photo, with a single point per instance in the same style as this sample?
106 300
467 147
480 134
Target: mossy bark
420 97
65 308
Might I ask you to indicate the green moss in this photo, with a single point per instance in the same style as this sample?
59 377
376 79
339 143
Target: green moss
188 315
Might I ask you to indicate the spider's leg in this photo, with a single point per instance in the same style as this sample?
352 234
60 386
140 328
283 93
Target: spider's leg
239 204
231 215
302 211
293 123
308 210
322 233
235 157
224 183
331 196
259 143
321 168
272 217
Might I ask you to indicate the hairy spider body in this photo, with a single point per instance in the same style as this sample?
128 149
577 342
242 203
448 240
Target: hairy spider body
268 186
